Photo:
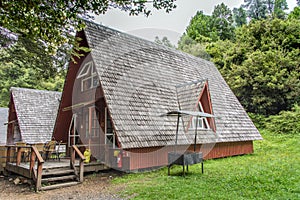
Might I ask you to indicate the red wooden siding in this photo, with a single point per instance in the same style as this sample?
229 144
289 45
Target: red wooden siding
64 117
12 122
144 158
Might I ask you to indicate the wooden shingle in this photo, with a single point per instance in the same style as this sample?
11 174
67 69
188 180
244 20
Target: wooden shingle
139 81
36 113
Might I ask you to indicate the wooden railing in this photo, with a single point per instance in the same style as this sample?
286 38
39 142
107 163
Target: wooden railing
34 156
37 174
74 151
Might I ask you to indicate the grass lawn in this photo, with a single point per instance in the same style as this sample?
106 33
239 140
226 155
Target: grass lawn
272 172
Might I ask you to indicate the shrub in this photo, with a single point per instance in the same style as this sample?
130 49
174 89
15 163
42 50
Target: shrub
258 119
286 122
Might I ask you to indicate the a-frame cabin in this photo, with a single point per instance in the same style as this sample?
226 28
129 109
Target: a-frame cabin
114 96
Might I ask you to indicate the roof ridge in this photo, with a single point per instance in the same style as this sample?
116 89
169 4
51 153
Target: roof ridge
32 89
97 25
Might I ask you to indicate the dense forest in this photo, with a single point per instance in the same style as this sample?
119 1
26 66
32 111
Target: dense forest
255 47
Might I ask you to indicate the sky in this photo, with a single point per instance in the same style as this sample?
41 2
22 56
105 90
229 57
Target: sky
160 23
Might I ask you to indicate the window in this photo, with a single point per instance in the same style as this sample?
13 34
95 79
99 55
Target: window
95 127
92 127
85 69
88 76
109 133
202 121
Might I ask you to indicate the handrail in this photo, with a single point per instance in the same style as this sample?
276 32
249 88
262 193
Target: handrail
74 150
37 175
34 156
78 152
38 155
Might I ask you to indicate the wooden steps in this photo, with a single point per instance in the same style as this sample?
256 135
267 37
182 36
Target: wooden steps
59 185
57 171
57 178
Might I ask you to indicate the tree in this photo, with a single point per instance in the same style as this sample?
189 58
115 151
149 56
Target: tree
298 2
223 22
20 67
201 28
262 65
204 28
164 41
54 21
270 5
240 16
36 37
295 14
256 9
280 7
190 46
277 8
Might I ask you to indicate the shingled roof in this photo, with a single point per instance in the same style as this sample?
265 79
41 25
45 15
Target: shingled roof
36 112
3 128
139 81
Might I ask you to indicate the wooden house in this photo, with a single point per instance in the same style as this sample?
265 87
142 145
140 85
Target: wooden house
32 115
114 98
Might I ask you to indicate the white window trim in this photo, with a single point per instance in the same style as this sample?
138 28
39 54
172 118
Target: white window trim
92 82
93 127
203 119
89 65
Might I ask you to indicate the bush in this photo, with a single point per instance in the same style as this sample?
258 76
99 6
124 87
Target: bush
258 120
286 122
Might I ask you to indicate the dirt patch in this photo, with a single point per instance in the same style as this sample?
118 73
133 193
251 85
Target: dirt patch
95 186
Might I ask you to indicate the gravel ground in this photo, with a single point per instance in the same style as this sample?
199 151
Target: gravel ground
95 186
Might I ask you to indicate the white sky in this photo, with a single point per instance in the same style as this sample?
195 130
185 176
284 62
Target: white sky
160 23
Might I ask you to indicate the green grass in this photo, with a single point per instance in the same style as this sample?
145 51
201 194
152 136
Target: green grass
272 172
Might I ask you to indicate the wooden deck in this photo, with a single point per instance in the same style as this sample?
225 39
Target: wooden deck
23 168
57 172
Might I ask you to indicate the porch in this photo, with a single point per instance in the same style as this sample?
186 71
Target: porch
51 173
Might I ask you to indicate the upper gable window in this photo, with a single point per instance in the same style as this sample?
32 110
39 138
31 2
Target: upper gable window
88 76
202 121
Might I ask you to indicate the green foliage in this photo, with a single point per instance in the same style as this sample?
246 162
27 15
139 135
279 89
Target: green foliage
256 9
54 21
204 28
164 41
201 28
222 21
240 16
262 65
258 120
188 45
286 122
261 9
295 14
34 68
280 6
272 172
